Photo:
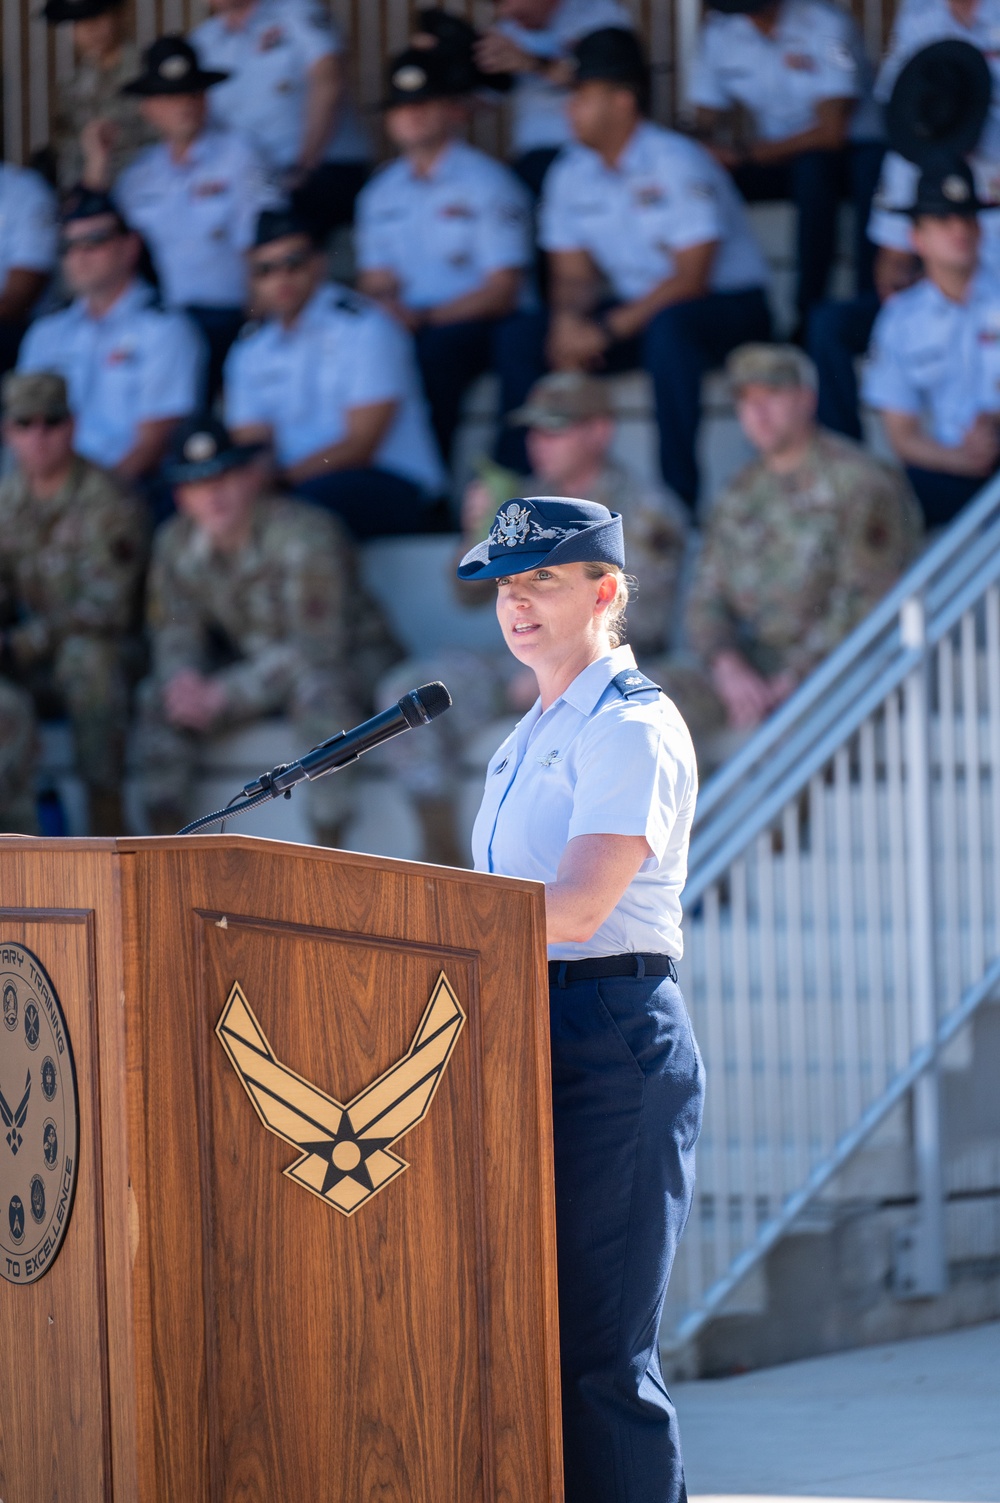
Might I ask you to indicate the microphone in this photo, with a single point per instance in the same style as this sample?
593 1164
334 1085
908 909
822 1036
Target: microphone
419 707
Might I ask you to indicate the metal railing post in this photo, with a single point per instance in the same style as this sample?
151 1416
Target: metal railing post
921 1268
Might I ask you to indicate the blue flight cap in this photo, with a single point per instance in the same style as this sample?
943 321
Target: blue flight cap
548 530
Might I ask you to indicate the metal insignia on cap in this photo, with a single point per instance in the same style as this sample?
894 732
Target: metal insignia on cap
511 526
199 447
955 189
409 78
174 67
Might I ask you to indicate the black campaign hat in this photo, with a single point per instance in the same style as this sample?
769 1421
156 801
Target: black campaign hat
171 66
946 187
939 102
278 224
57 11
88 203
202 448
423 73
612 55
537 530
455 39
738 7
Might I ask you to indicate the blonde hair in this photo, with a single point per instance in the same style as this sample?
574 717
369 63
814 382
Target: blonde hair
614 617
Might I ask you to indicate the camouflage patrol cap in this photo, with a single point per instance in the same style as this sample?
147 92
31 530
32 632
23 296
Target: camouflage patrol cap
562 399
770 365
27 394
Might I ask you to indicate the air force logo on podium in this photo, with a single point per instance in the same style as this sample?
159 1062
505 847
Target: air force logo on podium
346 1156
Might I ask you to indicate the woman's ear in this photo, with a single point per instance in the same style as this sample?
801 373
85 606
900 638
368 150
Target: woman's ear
607 589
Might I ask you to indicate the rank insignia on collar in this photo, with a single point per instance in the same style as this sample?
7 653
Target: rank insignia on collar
345 1149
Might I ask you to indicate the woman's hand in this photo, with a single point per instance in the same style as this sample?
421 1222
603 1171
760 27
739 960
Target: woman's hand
593 874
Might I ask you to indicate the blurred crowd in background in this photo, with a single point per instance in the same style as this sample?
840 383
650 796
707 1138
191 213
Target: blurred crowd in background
203 426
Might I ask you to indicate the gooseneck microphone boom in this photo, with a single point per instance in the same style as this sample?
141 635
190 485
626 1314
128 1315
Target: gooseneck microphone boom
419 707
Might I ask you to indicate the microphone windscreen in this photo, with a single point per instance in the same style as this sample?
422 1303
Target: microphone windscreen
425 703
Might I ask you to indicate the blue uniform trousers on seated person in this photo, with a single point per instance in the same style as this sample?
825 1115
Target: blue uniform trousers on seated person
628 1088
677 347
452 356
376 503
941 495
836 334
816 181
219 328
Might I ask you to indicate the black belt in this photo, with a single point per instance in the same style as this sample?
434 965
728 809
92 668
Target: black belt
562 972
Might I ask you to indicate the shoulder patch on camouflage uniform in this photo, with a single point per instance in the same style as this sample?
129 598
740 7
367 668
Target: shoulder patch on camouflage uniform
630 683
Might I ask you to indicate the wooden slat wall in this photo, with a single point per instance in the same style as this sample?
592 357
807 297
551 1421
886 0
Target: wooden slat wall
33 57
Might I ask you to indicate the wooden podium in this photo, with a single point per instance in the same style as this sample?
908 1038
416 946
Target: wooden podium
310 1255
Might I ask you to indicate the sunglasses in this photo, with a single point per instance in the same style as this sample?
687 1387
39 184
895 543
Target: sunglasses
297 261
43 420
93 241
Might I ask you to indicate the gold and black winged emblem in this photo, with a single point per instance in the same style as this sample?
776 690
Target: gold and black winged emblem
345 1156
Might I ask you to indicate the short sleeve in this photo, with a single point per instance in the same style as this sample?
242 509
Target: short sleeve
886 383
373 245
504 225
240 393
696 191
556 228
34 232
313 39
255 194
888 224
705 87
838 75
380 359
627 781
172 367
38 352
889 228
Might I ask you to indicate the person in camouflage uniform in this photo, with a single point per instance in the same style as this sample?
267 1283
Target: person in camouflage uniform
72 553
248 607
570 423
798 548
90 110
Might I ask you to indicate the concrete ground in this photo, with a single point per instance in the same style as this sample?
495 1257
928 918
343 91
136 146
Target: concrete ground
913 1421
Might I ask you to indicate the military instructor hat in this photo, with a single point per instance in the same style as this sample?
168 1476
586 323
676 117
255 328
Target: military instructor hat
57 11
170 66
279 224
946 188
549 530
202 448
423 73
939 102
455 39
28 394
612 55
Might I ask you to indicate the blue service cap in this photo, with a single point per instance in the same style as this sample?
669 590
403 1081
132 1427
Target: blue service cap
551 530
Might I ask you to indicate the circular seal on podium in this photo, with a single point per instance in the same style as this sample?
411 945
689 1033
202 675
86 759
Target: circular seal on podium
39 1118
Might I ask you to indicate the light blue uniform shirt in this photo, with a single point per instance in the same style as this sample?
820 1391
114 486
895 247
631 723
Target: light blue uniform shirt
815 53
198 216
937 359
269 59
664 194
134 365
442 235
341 352
28 230
538 107
596 763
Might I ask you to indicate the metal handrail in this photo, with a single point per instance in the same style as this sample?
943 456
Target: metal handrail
744 796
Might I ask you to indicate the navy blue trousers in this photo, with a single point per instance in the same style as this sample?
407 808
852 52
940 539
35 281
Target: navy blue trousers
219 327
628 1086
836 334
452 356
943 496
374 503
677 347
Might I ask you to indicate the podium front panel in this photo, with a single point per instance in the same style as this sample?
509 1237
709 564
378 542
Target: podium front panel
345 1283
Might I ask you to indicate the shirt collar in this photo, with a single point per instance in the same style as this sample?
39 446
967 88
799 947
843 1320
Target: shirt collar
137 295
587 688
441 167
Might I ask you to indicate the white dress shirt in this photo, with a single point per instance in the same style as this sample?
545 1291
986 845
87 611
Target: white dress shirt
133 365
937 359
198 216
815 53
28 229
665 194
341 352
596 763
444 234
269 59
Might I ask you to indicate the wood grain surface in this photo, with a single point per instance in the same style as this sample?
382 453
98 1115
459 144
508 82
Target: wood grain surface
218 1332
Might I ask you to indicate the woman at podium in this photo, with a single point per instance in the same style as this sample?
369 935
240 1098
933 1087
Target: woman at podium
593 793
